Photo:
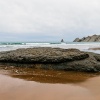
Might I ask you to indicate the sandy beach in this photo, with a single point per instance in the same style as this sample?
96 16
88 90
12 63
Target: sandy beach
28 84
49 49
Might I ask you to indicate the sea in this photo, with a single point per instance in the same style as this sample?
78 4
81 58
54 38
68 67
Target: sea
83 46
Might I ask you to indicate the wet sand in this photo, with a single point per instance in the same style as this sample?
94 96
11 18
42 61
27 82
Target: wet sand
29 84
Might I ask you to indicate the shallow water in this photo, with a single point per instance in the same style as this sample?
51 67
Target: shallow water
23 83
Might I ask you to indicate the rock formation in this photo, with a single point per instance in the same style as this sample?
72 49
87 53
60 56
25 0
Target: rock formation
94 38
62 40
54 58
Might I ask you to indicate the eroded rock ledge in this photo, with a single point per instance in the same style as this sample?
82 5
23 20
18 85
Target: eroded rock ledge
54 58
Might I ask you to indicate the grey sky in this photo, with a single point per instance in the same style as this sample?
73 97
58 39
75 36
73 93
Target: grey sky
48 20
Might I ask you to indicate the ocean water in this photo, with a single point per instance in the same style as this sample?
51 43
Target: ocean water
83 46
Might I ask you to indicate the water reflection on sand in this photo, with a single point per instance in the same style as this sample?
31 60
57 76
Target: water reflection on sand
29 84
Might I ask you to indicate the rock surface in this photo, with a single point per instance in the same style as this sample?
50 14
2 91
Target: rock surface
53 58
94 38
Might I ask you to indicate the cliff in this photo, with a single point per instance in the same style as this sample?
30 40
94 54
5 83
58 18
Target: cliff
94 38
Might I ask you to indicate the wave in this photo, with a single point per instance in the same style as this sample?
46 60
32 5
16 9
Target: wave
49 43
55 43
23 43
37 43
6 46
14 43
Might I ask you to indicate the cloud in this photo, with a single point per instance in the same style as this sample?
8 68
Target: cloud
49 18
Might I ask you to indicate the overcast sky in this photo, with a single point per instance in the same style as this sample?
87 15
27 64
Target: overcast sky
48 20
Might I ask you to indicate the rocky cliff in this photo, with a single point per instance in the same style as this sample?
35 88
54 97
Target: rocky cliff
94 38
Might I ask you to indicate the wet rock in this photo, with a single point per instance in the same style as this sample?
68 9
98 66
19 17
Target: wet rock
54 58
42 55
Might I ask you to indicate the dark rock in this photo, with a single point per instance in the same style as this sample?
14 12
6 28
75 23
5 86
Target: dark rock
54 58
42 55
76 40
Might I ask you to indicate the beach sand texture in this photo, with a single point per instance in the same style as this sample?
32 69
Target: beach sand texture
27 84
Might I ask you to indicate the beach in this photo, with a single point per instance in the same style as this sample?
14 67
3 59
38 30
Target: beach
49 49
31 84
23 82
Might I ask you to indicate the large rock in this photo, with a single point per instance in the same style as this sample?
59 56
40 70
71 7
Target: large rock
76 40
94 38
54 58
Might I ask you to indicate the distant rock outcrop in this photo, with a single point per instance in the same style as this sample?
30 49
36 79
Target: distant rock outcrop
94 38
62 40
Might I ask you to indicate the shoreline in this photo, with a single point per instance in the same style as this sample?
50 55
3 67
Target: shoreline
66 85
45 76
